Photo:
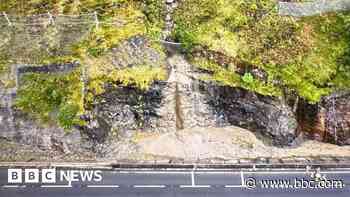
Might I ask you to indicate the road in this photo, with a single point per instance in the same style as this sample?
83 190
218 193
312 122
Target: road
183 183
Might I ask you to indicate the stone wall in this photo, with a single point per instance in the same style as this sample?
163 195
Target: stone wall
18 127
21 128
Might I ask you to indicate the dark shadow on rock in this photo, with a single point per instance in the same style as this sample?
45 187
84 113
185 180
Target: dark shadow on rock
251 111
97 129
124 110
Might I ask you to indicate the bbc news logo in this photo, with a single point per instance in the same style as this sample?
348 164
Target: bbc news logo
52 176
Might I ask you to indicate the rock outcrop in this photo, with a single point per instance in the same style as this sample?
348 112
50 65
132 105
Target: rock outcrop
184 101
21 129
337 117
123 110
268 116
327 121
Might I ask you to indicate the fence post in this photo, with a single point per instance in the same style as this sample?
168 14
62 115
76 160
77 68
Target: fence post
7 19
52 21
83 80
96 20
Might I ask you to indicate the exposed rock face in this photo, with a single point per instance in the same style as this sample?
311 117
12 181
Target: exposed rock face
234 106
124 110
20 129
329 120
6 114
134 52
184 101
337 117
96 129
311 121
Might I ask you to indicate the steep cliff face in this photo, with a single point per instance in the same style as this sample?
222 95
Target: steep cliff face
185 101
329 120
268 116
182 101
337 118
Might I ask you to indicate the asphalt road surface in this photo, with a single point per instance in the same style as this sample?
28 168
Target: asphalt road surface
183 183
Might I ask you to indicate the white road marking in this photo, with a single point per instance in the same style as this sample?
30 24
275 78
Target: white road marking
152 172
242 179
13 186
195 186
229 172
149 186
335 172
55 186
103 186
192 178
300 172
235 186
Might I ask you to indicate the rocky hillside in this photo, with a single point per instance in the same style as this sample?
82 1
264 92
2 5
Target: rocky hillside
183 79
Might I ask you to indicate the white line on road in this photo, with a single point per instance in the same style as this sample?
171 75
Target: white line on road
297 172
242 179
149 186
152 172
235 186
246 172
192 178
13 186
231 172
103 186
194 186
336 172
56 186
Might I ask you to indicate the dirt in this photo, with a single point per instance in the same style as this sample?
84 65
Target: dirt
229 143
188 144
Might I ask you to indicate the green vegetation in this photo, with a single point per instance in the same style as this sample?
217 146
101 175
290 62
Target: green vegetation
141 76
308 57
240 43
227 77
51 98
